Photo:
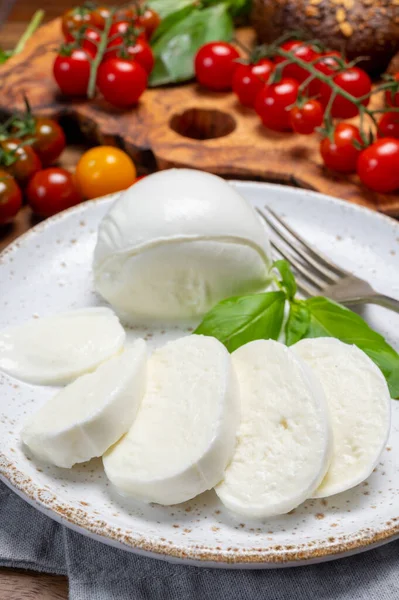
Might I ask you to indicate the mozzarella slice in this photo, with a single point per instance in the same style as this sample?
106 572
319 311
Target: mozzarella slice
284 440
360 408
185 431
85 418
55 350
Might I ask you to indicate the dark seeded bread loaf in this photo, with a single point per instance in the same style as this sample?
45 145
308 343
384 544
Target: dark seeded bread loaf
357 27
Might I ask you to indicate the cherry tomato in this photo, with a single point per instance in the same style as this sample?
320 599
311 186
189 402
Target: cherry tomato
356 82
388 125
49 140
72 71
378 166
100 14
326 65
120 28
104 170
341 154
52 190
138 49
274 101
392 99
74 18
121 81
215 65
10 197
149 21
125 14
306 118
248 80
301 50
89 40
27 161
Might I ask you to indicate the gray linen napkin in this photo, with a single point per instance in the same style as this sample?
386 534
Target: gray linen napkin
30 540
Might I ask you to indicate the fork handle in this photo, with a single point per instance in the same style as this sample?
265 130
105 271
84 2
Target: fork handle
380 299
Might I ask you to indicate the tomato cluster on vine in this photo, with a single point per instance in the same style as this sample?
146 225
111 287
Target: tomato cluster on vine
297 86
109 48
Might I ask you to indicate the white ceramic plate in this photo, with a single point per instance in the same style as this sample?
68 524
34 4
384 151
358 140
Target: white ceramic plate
49 270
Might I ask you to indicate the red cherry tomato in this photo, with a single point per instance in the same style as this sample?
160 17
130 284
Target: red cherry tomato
120 28
138 49
74 18
392 99
356 82
274 101
306 118
49 140
301 50
89 39
326 65
10 197
99 15
52 190
149 21
27 161
215 65
125 14
248 80
388 125
378 166
341 154
72 71
121 81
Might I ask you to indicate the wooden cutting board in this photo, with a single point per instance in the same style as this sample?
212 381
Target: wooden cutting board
182 126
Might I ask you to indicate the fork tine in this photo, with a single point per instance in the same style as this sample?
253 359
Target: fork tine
320 258
315 281
328 277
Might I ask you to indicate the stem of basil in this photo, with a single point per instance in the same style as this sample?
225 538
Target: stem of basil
102 46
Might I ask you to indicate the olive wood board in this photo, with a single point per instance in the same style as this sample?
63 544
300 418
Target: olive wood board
182 126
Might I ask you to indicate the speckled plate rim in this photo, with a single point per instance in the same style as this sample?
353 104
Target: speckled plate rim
274 557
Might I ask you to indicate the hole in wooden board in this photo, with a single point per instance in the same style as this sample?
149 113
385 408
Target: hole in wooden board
202 124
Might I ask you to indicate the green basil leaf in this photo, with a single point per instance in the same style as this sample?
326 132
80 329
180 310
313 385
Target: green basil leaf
175 50
171 20
236 7
242 319
327 318
287 277
298 322
167 7
5 55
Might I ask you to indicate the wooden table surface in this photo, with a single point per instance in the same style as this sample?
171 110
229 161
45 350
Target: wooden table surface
21 585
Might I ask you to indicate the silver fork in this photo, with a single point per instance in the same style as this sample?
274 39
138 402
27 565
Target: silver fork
318 275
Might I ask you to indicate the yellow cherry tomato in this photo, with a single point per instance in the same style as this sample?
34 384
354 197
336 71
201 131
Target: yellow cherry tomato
104 170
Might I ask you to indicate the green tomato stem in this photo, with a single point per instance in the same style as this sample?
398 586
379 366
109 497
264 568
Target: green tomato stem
29 31
102 46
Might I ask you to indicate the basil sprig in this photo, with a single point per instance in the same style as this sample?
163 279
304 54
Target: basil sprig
239 320
186 26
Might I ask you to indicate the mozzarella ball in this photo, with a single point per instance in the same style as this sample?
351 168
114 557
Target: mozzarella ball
175 244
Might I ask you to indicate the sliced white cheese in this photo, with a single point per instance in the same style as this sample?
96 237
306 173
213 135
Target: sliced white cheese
185 431
55 350
85 418
284 440
360 408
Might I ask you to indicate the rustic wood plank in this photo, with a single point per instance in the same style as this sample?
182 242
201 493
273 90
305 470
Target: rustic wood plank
21 585
183 126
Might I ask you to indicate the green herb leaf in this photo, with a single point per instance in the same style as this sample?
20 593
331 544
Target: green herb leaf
175 50
167 7
241 319
170 21
287 277
327 318
298 322
5 55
